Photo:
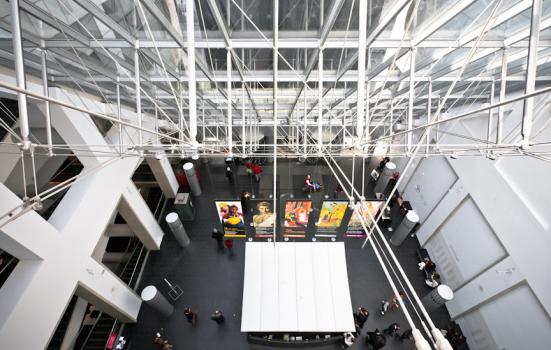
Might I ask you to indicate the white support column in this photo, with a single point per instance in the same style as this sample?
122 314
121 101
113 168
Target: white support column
320 99
411 97
229 134
502 89
429 115
162 170
305 130
46 103
243 129
531 73
367 136
361 70
20 74
190 34
491 114
275 107
138 90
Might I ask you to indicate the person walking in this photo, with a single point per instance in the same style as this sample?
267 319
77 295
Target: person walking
376 339
257 170
190 315
217 317
245 196
392 330
229 174
229 245
392 304
338 191
219 237
361 317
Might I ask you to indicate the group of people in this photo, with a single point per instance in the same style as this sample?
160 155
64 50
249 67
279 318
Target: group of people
160 341
250 167
376 339
253 169
191 316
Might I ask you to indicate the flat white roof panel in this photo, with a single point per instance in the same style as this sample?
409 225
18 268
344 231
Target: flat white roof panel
296 287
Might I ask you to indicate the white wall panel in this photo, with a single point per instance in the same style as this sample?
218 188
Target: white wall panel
430 182
469 244
517 320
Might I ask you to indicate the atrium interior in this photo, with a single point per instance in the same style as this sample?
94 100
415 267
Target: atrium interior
285 162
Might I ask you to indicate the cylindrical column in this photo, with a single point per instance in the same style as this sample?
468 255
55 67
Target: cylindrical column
192 180
157 301
384 177
438 297
20 74
177 229
405 227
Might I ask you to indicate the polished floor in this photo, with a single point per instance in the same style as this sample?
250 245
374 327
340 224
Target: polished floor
212 279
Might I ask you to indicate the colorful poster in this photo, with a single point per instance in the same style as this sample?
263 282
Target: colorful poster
355 228
263 218
330 219
231 217
296 218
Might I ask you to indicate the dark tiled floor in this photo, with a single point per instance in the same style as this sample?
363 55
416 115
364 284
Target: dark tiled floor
212 279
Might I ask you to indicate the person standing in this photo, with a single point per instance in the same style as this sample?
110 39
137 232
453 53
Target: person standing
217 317
376 339
219 237
249 168
361 317
229 245
392 330
190 315
257 170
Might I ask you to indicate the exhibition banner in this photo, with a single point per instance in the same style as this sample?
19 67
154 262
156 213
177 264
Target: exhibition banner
355 228
263 219
231 216
330 219
296 218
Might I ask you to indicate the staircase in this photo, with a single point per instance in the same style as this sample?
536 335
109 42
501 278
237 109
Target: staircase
100 333
57 338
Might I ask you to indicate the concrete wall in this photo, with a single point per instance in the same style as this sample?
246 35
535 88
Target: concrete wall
486 224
